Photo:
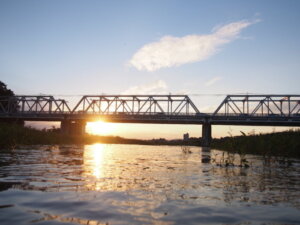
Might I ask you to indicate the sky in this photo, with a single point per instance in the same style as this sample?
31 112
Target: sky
205 49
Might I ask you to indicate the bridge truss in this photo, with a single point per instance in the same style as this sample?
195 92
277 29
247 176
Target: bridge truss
235 109
24 104
136 104
260 105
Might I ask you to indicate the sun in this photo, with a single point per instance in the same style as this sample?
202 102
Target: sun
100 128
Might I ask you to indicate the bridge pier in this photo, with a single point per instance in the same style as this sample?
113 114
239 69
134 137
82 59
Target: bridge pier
73 127
206 134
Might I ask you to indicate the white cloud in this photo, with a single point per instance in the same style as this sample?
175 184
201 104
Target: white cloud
157 87
212 81
174 51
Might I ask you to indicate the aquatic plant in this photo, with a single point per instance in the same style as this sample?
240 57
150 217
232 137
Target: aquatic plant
186 149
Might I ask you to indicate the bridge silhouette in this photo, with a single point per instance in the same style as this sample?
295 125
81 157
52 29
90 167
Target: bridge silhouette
248 110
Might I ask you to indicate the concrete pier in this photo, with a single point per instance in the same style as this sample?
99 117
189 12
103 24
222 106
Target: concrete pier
73 127
206 134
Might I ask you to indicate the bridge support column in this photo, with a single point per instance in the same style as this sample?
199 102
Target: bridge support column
65 126
73 127
206 134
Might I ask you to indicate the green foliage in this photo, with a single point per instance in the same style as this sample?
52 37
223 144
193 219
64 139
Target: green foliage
4 91
6 102
282 144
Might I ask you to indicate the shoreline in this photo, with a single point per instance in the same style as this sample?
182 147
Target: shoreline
283 144
12 135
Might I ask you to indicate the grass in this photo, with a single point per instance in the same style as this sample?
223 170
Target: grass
281 144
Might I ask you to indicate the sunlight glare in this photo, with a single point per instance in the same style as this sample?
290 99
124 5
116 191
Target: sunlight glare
100 128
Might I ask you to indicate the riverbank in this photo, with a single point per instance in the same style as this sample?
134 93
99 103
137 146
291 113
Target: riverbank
12 135
281 144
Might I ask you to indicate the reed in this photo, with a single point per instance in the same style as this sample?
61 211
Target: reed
281 144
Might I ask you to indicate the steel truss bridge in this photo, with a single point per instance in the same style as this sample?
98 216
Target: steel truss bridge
257 110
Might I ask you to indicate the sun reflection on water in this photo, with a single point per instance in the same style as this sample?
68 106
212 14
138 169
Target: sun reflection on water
94 162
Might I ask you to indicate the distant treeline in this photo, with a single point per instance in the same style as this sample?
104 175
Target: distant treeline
12 135
283 144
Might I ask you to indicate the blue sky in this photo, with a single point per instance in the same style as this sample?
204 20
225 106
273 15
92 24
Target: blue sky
87 47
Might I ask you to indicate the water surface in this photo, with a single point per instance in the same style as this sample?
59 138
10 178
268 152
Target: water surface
135 184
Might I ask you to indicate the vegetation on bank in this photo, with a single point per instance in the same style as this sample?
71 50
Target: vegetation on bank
12 135
281 144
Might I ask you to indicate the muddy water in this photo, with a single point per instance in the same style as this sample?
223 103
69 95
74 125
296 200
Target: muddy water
133 184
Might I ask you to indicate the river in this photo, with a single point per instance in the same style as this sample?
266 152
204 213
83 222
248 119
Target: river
135 184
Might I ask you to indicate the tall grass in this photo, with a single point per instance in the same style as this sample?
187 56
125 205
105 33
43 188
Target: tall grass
281 144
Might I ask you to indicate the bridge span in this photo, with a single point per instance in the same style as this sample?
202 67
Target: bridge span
248 110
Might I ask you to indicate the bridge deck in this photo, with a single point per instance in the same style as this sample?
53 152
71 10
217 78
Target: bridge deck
221 119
